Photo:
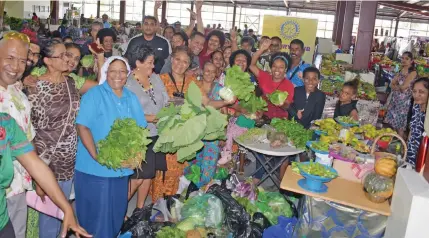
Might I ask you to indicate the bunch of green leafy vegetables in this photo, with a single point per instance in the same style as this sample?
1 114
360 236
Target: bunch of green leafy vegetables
239 83
182 129
254 104
170 232
294 131
126 143
38 71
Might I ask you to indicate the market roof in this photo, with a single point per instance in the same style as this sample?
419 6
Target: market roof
412 9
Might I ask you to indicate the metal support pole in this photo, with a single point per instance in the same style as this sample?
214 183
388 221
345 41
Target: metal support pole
98 9
164 11
122 9
233 15
349 14
340 22
143 10
396 26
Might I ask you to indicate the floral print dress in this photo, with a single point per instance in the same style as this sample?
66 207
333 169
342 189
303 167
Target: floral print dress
416 133
397 112
207 158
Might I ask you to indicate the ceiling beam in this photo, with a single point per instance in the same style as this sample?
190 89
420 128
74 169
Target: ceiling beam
286 3
402 5
402 14
397 7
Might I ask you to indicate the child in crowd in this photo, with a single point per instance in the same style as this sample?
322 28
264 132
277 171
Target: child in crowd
308 100
346 105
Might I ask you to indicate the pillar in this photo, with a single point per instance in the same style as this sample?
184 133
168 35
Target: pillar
349 15
98 8
164 11
192 6
122 9
54 12
233 15
362 51
340 22
334 31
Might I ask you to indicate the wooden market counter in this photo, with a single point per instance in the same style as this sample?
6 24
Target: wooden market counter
339 190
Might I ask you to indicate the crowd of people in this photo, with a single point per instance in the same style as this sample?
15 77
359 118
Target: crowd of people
50 125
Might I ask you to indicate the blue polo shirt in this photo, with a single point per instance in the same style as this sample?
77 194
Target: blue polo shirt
296 80
99 108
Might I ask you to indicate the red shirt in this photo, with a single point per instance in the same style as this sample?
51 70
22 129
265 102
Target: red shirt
268 86
204 57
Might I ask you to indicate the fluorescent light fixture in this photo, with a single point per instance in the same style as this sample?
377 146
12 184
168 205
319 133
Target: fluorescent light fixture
307 0
424 11
381 6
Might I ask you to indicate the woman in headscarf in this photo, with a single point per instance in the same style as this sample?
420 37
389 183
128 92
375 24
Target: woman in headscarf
102 193
55 102
150 91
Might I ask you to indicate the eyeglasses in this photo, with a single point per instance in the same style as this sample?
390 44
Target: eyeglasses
13 35
32 54
63 56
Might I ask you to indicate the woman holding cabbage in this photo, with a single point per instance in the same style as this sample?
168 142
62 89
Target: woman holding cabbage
102 193
278 91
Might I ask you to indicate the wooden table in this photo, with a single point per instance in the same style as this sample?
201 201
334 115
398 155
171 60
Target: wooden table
339 191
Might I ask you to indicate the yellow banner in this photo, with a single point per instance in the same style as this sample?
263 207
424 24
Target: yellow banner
289 28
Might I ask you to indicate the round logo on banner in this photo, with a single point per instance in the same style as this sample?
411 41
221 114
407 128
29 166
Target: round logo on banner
289 29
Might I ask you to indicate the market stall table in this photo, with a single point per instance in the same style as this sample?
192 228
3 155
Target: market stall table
339 191
269 154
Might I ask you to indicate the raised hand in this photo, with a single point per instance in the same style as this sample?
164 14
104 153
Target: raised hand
265 44
193 14
199 4
233 34
158 4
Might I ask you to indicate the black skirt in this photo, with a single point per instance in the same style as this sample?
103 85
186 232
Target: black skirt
154 162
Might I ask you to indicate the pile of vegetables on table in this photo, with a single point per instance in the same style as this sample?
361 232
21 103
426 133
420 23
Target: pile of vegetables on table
182 129
366 91
294 131
125 146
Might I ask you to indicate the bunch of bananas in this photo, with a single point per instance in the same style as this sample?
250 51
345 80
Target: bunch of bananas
329 125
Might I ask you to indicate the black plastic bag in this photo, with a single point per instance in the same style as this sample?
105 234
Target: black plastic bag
140 226
262 220
236 217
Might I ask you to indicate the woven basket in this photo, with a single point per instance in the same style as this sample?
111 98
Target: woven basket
378 154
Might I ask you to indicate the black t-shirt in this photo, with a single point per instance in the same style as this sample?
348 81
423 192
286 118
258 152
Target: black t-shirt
159 45
344 110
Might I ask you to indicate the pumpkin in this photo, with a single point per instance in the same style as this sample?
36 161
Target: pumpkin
386 167
379 188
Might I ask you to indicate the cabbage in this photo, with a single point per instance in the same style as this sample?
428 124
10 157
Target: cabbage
278 97
87 61
226 94
38 71
187 224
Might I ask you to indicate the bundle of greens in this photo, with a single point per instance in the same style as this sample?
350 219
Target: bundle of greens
278 97
294 131
253 105
125 146
170 232
237 83
87 61
38 71
182 129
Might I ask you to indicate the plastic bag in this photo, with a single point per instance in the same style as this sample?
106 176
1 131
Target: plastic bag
284 229
140 226
204 210
273 205
236 217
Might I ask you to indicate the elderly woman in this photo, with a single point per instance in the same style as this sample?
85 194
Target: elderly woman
107 38
152 95
102 193
55 102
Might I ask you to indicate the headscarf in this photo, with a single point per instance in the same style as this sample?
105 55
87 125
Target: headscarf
106 65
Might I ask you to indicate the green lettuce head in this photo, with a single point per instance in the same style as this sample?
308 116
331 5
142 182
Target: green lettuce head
278 97
87 61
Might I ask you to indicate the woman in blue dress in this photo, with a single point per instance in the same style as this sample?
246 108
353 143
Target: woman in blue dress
102 193
420 92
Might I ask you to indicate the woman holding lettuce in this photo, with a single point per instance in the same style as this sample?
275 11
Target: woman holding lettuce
276 82
102 193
